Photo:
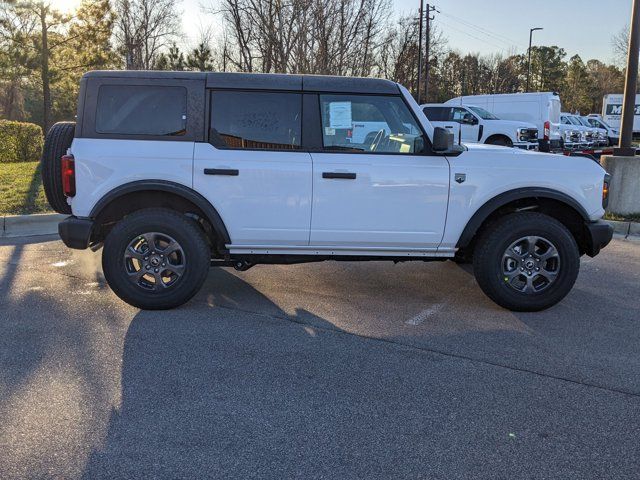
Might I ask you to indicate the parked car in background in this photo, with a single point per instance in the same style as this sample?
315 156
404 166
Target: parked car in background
540 109
587 134
571 136
597 121
601 138
474 124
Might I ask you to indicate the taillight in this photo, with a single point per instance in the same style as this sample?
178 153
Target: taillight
68 175
547 130
605 191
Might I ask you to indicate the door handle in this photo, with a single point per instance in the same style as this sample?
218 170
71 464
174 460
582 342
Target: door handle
342 175
448 126
232 172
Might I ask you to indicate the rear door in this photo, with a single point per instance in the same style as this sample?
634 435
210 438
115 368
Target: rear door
253 169
384 194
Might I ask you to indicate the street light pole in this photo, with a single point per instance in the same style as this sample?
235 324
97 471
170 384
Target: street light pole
630 87
529 67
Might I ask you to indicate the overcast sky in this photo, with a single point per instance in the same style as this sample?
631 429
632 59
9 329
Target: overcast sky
584 27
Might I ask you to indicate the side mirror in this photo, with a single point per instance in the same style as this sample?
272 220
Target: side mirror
442 140
469 119
418 144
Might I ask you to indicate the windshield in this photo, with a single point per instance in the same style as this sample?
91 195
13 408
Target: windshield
483 114
574 120
602 123
584 122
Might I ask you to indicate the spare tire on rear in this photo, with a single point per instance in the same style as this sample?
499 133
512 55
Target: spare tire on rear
56 144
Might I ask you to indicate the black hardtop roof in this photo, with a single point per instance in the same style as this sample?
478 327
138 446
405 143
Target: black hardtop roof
261 81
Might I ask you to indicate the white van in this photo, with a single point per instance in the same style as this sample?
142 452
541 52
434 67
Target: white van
541 109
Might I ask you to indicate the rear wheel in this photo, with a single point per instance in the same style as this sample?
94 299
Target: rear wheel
526 261
56 144
156 259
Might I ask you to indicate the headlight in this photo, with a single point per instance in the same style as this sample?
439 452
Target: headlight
525 134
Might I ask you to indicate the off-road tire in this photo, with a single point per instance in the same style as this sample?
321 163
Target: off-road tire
56 144
186 233
495 240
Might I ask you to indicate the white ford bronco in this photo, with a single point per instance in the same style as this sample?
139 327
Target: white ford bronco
175 172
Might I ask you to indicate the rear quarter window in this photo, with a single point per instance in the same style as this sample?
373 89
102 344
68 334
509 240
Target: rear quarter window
141 110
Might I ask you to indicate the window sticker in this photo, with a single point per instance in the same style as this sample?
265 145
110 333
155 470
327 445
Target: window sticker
340 115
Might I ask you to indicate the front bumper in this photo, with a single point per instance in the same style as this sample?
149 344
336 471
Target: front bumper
76 232
549 145
526 145
599 234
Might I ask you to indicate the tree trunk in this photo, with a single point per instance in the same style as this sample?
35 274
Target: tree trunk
44 71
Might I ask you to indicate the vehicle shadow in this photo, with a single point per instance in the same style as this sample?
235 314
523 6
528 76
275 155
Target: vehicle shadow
202 383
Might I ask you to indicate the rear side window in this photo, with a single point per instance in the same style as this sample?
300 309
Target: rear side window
142 110
437 114
256 120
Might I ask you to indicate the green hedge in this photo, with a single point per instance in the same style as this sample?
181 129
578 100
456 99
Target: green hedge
20 142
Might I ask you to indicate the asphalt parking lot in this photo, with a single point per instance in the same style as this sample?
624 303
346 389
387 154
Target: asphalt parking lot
330 370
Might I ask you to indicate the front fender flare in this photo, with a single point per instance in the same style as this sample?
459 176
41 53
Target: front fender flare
478 218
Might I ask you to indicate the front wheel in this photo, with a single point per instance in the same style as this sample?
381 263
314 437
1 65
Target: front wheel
501 141
526 261
156 259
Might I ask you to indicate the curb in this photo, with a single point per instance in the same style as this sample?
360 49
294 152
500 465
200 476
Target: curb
625 228
30 225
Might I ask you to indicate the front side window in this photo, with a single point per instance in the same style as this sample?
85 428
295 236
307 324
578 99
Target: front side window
142 110
256 120
369 124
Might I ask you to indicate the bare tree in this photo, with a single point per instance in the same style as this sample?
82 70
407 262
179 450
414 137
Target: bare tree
143 29
339 37
620 44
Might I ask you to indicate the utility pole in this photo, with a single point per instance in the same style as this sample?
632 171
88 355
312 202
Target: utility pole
427 54
419 88
630 87
529 67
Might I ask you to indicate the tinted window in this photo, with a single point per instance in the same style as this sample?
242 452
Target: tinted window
256 120
437 114
141 110
367 123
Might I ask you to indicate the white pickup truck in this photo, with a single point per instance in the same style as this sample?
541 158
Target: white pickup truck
474 124
174 172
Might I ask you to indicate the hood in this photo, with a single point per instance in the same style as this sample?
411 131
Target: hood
513 123
484 147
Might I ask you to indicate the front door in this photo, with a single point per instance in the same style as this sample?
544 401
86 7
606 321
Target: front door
253 170
469 125
380 191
